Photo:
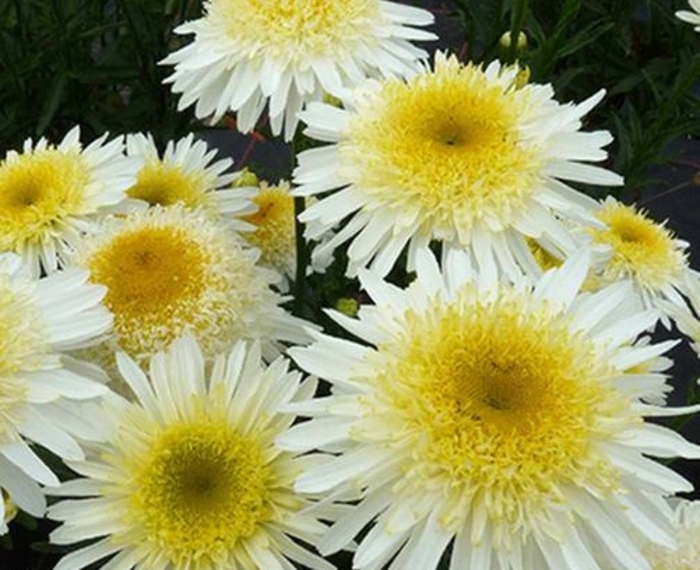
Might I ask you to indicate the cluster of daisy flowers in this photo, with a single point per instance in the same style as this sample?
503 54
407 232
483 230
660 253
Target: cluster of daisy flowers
501 408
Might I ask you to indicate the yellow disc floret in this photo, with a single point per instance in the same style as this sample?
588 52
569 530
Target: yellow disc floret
39 191
505 405
293 30
447 143
170 270
641 248
199 489
164 185
274 233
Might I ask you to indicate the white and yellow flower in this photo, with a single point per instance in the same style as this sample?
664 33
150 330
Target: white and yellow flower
459 154
49 194
187 174
41 390
188 474
274 232
504 423
172 270
630 245
249 54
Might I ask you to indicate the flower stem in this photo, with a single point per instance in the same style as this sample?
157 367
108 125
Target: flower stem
302 252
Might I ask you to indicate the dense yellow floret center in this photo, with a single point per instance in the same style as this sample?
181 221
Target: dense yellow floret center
294 29
504 405
447 145
38 192
165 185
641 248
201 489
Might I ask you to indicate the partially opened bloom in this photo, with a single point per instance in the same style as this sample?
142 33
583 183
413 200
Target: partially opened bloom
691 17
188 474
50 193
172 270
459 154
630 245
504 423
40 390
247 54
187 174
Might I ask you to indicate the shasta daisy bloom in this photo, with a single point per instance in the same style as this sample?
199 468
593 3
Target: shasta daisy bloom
503 423
274 233
40 389
50 193
172 270
686 554
691 17
632 246
186 174
188 474
459 154
247 54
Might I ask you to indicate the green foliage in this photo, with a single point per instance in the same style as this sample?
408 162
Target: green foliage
646 59
88 62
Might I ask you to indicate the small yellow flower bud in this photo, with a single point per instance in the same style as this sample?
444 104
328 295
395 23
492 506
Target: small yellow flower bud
347 306
245 178
506 42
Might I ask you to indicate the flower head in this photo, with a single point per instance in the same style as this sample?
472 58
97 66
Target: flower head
188 475
458 154
503 421
274 233
40 390
633 246
691 17
249 53
172 270
185 174
49 194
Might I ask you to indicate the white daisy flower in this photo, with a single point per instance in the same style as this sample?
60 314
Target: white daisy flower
274 232
186 174
49 194
630 245
686 554
502 424
189 475
281 53
40 390
172 270
691 17
460 154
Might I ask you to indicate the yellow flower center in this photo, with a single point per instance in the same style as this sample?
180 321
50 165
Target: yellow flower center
154 275
168 270
22 347
447 144
504 405
642 249
200 489
37 192
165 185
295 29
274 226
